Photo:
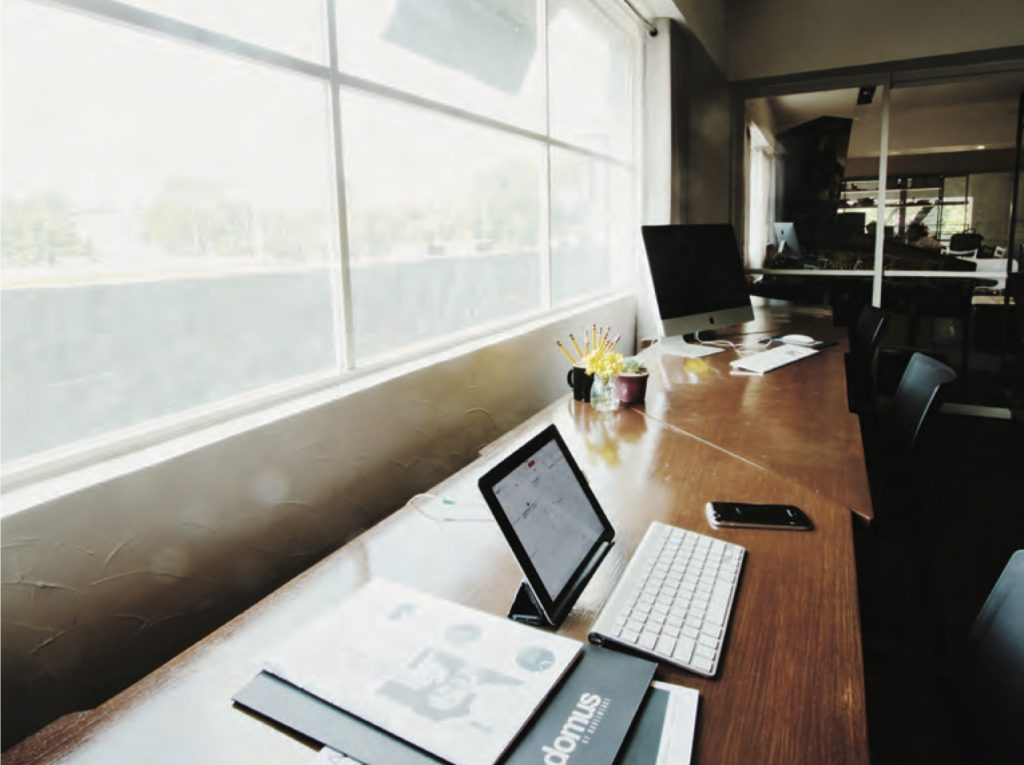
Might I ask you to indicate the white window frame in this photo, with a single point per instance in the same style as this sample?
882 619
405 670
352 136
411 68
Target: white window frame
81 454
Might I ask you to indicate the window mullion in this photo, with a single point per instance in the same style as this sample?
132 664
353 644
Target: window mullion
547 299
344 332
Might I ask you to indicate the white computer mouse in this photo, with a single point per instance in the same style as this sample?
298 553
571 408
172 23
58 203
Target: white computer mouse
797 339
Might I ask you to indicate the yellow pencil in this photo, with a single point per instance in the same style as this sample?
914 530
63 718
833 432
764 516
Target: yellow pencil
575 344
565 350
586 342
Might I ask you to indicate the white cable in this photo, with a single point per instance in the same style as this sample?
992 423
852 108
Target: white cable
444 501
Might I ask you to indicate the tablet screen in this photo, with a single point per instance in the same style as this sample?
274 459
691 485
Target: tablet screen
550 514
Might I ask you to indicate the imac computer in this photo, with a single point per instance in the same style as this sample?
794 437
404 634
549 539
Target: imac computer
698 281
785 235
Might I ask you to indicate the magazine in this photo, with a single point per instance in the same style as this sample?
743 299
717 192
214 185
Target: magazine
665 728
458 683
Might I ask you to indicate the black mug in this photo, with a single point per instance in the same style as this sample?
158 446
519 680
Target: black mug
580 383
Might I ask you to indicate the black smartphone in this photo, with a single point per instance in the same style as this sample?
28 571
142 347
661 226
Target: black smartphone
742 515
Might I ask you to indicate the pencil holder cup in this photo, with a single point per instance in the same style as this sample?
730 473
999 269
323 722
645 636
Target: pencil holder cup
580 382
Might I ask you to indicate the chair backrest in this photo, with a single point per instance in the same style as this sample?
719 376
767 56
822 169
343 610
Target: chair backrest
868 331
915 398
967 240
993 676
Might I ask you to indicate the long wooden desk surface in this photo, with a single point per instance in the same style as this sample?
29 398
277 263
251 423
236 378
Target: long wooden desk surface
794 420
790 686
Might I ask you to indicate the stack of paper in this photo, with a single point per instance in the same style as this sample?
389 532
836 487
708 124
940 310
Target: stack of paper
400 677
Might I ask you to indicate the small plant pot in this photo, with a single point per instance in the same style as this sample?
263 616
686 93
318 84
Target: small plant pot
632 388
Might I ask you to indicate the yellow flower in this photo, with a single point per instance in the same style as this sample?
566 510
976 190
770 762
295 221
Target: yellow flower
603 363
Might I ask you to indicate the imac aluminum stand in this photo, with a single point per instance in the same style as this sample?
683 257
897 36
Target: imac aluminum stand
677 346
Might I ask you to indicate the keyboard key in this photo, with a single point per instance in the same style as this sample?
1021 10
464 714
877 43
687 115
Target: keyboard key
707 628
703 650
684 650
709 641
718 606
666 645
647 639
701 663
630 636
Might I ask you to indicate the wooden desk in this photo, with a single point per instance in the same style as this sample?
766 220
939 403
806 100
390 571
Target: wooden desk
790 686
794 421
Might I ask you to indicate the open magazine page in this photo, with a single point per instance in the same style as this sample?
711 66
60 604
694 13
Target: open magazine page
680 724
456 682
665 728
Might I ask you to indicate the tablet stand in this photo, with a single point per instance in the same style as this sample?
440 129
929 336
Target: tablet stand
525 609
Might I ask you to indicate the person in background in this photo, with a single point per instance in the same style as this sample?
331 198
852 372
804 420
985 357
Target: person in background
918 236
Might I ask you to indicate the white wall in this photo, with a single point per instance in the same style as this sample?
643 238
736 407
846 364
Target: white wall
707 18
768 38
103 584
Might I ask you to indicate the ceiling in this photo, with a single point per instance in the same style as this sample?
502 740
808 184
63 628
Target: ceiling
957 115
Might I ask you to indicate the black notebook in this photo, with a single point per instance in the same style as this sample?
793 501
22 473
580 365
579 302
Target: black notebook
584 722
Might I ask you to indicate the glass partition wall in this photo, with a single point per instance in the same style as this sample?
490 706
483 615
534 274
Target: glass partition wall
810 232
894 193
951 154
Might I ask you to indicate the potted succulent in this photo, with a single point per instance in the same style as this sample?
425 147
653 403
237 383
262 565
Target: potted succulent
631 381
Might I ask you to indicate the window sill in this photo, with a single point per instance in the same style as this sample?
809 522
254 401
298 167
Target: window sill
136 449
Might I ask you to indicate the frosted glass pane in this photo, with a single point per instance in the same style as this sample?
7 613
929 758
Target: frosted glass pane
296 27
445 224
485 56
169 228
591 225
591 72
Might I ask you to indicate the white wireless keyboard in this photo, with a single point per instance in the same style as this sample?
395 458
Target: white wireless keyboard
766 361
674 599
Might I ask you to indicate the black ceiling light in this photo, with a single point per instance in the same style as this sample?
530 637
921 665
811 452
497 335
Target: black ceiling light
866 94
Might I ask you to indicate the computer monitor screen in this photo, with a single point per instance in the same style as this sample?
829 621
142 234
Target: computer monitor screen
785 237
698 279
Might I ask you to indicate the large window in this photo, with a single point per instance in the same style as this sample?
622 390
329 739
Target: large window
206 206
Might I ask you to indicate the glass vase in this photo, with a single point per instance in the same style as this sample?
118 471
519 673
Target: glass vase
603 396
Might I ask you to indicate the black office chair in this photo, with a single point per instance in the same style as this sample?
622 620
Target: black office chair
965 243
891 436
993 676
891 432
865 336
916 397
